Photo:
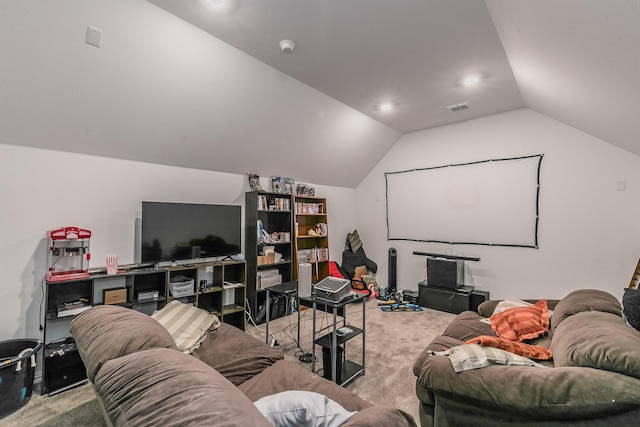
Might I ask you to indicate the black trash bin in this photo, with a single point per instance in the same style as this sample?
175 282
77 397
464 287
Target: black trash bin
326 363
17 368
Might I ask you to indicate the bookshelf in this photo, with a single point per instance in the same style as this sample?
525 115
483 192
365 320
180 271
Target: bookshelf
311 235
268 243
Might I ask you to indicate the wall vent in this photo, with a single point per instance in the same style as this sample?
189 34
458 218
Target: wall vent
458 107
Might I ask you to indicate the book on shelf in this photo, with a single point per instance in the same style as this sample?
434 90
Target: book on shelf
313 255
279 204
71 309
309 208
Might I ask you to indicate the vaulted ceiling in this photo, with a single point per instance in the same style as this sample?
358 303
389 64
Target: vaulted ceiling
182 83
576 60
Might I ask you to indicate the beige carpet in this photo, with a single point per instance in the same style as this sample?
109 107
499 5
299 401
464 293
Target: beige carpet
393 341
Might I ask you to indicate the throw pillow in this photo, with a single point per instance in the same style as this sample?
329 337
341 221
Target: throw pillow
188 325
360 271
353 241
510 303
302 409
522 323
472 356
631 307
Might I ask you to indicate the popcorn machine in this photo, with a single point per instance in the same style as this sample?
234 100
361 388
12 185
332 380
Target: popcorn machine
68 254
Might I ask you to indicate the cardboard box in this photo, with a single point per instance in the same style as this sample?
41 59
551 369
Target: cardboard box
115 296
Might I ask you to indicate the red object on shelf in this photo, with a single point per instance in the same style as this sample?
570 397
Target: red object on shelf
68 254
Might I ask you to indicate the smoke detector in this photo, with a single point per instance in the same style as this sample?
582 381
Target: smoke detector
287 46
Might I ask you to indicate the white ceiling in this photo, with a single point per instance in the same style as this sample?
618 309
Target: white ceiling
161 90
411 53
574 60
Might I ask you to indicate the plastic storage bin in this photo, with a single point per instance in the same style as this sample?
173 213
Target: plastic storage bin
17 367
181 287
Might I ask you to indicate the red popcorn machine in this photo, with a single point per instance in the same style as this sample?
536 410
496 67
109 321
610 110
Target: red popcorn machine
68 254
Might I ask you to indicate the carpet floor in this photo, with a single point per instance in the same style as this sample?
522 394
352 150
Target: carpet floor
393 341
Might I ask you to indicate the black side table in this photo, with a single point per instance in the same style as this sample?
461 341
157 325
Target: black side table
330 341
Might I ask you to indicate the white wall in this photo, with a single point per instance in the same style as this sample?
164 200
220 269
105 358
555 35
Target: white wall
43 189
588 232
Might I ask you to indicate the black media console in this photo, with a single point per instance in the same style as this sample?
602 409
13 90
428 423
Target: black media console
444 288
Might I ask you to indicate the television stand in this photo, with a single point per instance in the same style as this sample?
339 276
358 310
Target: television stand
450 300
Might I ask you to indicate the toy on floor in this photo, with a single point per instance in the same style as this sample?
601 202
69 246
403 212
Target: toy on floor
400 307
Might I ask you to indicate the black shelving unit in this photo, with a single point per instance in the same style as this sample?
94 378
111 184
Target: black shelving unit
63 367
275 212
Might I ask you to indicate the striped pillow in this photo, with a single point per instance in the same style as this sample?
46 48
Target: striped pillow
518 324
472 356
353 241
188 325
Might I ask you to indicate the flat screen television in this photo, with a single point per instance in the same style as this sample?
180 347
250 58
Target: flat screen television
187 231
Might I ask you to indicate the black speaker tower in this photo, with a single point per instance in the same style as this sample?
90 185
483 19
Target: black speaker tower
393 268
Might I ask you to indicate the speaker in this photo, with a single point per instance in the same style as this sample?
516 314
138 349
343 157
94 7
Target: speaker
443 273
477 298
304 280
393 271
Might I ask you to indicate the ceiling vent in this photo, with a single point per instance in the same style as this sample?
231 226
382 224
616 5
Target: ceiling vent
458 107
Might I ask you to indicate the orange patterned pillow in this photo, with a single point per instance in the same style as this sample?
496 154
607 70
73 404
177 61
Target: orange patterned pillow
522 323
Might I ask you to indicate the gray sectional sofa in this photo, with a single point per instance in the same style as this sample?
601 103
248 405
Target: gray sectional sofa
592 380
141 379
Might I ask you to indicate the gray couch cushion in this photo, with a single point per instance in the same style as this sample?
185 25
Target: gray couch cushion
107 332
286 375
235 354
467 325
597 340
163 387
584 300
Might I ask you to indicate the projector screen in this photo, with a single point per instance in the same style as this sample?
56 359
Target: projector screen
491 202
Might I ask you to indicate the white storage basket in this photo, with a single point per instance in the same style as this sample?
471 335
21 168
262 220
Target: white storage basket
181 289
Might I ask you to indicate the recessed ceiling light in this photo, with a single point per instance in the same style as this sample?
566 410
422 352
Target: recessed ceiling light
471 80
386 106
215 3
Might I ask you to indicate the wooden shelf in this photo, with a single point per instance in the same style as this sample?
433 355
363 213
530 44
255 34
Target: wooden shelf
309 211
